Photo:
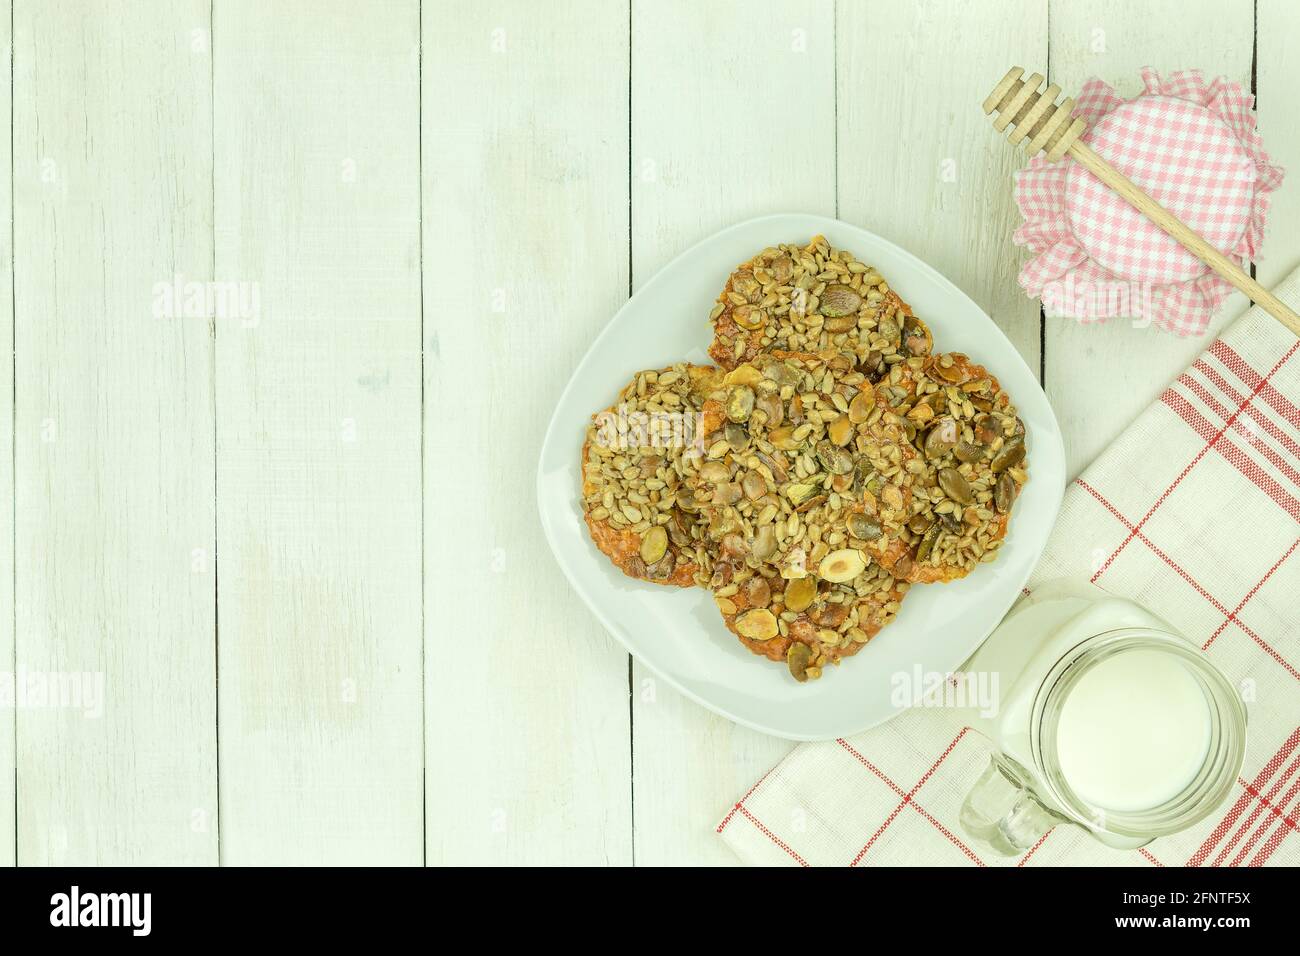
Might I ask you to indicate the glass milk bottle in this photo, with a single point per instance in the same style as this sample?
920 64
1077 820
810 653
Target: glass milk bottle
1105 718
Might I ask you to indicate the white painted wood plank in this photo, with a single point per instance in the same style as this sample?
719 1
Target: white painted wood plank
733 116
1099 377
525 259
114 447
1277 79
8 837
919 162
318 418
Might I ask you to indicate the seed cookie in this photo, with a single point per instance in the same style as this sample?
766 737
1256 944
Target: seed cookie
800 476
635 457
972 446
809 299
832 461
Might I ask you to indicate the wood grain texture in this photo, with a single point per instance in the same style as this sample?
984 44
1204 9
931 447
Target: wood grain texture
113 444
733 116
918 162
525 260
1277 78
8 835
1099 377
318 422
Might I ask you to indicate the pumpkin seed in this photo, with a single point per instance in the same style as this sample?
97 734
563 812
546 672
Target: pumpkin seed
863 527
781 373
861 405
811 503
955 486
740 402
941 438
783 438
835 460
727 493
1004 493
1012 453
712 471
927 541
917 340
800 593
863 472
987 429
840 431
749 317
968 453
737 436
797 658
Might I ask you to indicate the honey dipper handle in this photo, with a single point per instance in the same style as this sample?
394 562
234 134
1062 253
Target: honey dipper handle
1197 246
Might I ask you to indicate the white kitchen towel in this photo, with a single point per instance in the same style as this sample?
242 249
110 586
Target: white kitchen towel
1193 512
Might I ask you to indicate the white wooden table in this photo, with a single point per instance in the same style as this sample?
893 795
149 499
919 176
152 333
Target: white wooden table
300 545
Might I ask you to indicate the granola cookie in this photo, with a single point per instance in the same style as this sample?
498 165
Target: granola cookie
809 299
635 457
800 476
972 446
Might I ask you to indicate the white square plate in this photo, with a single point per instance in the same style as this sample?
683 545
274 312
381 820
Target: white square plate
677 632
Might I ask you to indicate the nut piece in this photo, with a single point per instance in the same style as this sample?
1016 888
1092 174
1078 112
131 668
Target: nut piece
843 565
758 592
861 406
799 593
754 485
801 492
743 375
1004 493
955 486
835 460
797 659
839 300
740 402
1012 454
941 438
757 625
840 431
654 544
749 317
861 526
917 339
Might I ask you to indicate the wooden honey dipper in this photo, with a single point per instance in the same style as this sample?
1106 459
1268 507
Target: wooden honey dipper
1035 119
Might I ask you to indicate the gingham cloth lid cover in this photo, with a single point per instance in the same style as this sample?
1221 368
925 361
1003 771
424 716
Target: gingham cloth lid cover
1191 145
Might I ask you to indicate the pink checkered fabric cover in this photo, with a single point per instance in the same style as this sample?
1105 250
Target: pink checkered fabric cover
1194 512
1190 144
